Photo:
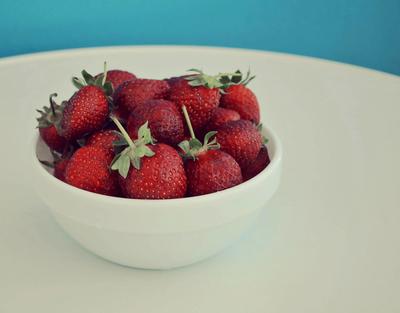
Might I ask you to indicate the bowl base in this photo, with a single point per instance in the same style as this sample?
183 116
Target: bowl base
156 251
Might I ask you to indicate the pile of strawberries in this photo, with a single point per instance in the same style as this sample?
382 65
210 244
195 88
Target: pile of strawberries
120 135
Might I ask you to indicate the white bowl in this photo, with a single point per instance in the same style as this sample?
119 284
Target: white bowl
157 234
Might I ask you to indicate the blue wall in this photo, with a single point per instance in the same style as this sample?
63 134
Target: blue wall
363 32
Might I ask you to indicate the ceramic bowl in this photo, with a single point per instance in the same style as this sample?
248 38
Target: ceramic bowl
157 234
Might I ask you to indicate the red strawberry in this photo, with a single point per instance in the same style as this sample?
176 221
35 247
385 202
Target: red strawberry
117 77
157 171
243 100
51 137
221 116
242 140
85 112
88 108
59 168
121 114
133 93
212 171
58 164
208 169
104 139
200 94
88 169
238 97
165 121
161 176
48 123
172 80
258 165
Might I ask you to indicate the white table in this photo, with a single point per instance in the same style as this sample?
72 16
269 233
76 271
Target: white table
328 242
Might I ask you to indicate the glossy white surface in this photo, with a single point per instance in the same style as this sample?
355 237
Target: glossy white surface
157 234
329 242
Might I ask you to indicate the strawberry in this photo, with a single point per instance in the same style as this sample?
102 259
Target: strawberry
59 168
51 137
117 77
165 121
258 165
121 114
157 171
88 108
238 97
242 140
85 112
104 139
58 164
172 80
88 169
212 171
133 93
221 116
48 123
199 93
243 100
161 176
207 168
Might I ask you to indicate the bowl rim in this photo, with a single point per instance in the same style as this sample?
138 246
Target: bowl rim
264 174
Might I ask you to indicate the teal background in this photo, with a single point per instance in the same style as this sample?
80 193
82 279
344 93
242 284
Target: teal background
362 32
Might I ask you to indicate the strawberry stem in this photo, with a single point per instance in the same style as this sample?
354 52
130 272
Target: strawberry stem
123 131
52 104
189 124
105 74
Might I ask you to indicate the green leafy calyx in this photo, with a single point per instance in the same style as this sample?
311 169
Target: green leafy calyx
221 80
237 79
99 81
193 147
50 115
58 157
135 150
